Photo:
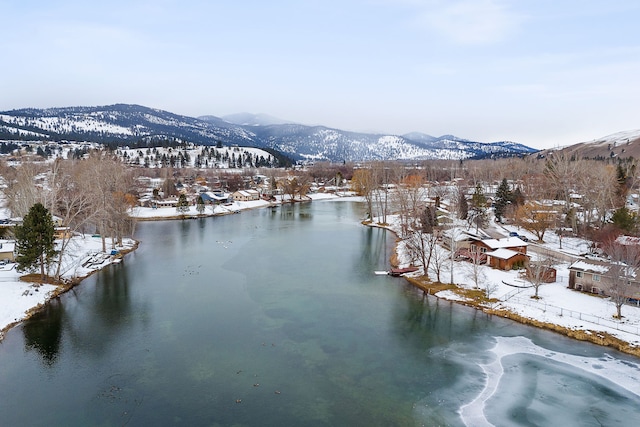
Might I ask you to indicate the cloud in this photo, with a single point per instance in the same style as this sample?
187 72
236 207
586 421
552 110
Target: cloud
469 22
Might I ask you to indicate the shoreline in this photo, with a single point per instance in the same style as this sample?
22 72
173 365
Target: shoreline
594 336
600 338
60 288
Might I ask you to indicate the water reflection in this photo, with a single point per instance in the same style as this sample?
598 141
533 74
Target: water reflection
376 246
43 333
106 313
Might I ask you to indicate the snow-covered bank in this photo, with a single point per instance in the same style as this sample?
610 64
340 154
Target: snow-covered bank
84 256
143 213
569 310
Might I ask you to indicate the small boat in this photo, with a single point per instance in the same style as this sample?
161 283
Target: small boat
400 271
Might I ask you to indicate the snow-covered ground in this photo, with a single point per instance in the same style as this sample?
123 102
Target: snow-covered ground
229 208
557 304
83 256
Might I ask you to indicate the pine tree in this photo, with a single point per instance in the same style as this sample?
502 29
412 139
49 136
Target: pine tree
478 199
429 220
35 240
463 206
183 204
200 205
503 198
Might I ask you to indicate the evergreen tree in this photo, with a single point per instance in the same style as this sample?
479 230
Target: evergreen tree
478 199
625 220
183 204
35 240
200 205
503 198
428 220
477 215
463 206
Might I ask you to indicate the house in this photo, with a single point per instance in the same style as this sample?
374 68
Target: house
589 276
592 276
458 238
506 259
7 249
489 245
246 195
503 254
215 197
62 233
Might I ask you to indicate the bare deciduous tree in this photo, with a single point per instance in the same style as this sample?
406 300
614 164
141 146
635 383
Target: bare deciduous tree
623 271
537 272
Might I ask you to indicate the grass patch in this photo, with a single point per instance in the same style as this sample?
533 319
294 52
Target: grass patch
429 286
36 278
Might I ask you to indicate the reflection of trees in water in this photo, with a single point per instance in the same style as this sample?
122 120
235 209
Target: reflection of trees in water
43 332
425 321
375 246
294 211
99 315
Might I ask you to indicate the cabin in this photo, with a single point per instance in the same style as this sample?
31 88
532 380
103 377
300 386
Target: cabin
246 195
506 259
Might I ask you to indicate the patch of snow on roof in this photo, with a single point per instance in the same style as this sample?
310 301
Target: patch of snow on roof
588 266
502 253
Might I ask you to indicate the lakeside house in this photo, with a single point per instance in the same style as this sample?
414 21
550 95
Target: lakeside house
593 276
246 195
504 254
215 197
506 259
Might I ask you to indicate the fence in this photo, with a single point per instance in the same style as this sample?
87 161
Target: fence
560 311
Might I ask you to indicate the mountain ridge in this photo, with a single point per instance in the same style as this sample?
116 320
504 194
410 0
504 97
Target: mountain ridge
124 124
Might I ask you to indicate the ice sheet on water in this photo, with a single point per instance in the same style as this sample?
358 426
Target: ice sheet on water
529 385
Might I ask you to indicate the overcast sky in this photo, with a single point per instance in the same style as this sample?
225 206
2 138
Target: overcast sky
543 73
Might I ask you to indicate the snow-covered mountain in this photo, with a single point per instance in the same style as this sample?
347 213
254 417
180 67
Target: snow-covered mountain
620 144
123 124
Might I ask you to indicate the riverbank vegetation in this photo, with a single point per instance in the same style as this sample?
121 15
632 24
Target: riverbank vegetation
550 197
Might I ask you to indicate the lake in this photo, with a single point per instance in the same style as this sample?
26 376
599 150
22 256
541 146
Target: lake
274 317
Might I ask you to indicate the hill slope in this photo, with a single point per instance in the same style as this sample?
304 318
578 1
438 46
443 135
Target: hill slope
621 144
124 124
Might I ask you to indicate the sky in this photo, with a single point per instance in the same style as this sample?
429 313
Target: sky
544 73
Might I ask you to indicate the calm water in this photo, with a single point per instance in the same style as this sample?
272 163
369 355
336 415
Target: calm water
275 318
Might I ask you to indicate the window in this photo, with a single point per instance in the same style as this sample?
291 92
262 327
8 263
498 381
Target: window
596 277
579 274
